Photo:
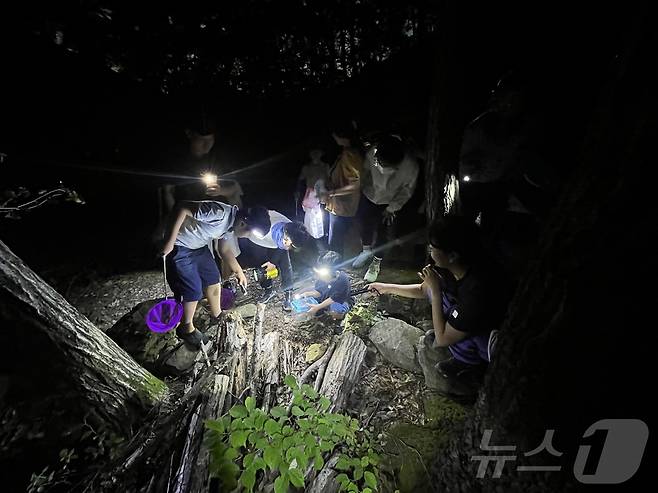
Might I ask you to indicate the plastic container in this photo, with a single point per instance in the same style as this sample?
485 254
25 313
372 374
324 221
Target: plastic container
373 270
301 305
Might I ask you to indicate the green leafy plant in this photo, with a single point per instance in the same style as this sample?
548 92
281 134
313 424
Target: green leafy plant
248 443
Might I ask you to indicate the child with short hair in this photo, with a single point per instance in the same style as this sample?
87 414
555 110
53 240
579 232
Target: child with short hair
332 288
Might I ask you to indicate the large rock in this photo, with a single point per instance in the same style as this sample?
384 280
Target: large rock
396 339
427 359
163 354
247 311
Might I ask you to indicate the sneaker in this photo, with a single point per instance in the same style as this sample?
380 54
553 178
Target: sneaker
452 368
195 338
362 259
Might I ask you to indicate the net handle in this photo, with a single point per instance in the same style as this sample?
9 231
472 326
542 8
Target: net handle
164 275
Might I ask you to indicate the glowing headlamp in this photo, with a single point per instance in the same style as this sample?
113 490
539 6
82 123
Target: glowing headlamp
209 178
322 271
467 178
258 233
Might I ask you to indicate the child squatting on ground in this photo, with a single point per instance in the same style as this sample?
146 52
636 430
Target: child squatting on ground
332 288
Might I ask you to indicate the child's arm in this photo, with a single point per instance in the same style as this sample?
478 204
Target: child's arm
313 294
404 290
321 306
228 256
170 237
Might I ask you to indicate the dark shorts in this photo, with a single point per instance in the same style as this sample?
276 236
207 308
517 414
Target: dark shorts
190 271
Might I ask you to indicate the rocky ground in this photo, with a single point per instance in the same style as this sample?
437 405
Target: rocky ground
394 401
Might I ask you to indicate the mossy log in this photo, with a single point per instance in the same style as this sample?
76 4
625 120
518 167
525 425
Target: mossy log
112 385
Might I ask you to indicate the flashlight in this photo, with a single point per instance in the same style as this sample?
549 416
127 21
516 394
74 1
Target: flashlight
322 271
467 178
297 296
209 179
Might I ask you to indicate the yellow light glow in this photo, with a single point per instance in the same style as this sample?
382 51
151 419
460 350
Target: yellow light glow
209 178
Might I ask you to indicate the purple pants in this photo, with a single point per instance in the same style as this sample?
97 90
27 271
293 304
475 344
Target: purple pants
474 349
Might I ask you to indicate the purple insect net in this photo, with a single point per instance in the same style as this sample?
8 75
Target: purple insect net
164 316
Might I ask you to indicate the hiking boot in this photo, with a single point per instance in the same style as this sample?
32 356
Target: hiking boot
362 259
195 338
452 368
287 301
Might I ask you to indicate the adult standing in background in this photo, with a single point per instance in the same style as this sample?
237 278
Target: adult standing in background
343 192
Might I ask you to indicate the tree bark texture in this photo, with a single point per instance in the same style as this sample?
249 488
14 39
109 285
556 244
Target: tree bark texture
343 370
112 384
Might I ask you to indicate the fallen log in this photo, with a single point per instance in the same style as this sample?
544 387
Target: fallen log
343 370
110 383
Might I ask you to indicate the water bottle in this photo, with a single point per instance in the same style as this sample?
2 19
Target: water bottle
373 270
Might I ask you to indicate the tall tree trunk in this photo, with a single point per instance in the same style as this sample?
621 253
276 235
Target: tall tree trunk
566 357
111 383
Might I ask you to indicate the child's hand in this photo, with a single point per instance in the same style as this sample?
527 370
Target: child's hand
377 287
314 308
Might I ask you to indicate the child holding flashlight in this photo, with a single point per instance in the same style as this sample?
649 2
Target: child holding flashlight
332 288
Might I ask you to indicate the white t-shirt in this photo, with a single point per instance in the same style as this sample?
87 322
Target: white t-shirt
210 220
266 241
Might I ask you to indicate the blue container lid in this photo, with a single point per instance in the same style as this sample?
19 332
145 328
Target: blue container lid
302 304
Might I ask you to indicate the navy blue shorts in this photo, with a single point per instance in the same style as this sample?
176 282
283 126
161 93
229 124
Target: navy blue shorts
190 271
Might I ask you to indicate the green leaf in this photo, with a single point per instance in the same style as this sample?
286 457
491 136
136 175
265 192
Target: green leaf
239 411
352 487
296 477
342 479
373 458
281 484
343 464
228 473
309 441
287 430
248 478
304 424
248 460
279 412
309 391
261 443
366 490
327 445
250 403
323 431
236 424
215 425
358 472
300 456
325 403
297 411
238 438
318 462
248 422
259 421
272 457
291 382
354 424
287 443
364 461
258 463
253 437
370 480
298 398
271 427
231 454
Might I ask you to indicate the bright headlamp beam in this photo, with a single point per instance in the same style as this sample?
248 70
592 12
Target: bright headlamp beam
209 178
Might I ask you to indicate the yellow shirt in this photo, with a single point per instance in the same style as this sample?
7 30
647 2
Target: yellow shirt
345 171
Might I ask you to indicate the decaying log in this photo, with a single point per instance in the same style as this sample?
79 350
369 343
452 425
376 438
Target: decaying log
234 346
254 384
198 472
325 482
111 383
343 370
268 368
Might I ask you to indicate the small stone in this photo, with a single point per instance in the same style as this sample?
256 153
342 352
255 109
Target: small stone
314 352
247 311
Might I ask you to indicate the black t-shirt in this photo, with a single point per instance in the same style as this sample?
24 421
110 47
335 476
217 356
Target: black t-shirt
337 289
482 298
